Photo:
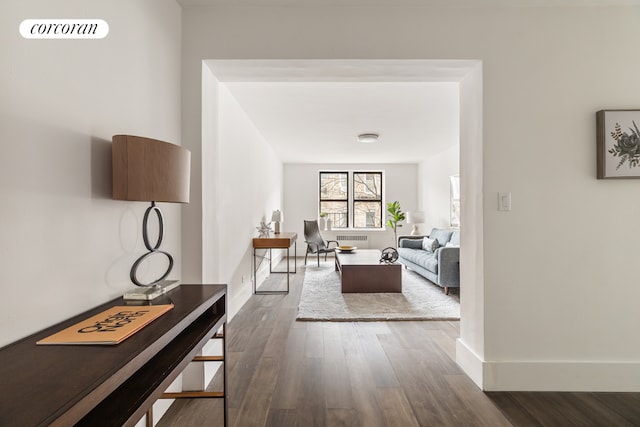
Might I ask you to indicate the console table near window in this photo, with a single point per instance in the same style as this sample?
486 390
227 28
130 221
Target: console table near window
282 240
100 385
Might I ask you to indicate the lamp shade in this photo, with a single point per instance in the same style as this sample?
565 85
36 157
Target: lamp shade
150 170
415 217
276 216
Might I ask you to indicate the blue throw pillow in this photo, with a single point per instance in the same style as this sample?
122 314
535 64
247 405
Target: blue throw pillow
443 236
411 243
430 245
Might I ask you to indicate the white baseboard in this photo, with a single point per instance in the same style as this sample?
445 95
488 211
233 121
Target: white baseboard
575 376
241 295
562 376
470 362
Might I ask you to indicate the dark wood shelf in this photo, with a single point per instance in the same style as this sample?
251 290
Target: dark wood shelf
107 385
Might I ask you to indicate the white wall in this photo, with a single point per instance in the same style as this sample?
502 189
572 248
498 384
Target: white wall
434 176
470 346
239 184
250 189
545 71
66 246
301 197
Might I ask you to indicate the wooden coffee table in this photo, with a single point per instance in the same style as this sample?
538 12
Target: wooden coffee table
361 271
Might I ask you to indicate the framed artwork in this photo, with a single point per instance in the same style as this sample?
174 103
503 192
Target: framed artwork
618 143
455 201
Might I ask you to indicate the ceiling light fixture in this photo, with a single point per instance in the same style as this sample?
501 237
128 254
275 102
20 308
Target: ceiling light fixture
368 138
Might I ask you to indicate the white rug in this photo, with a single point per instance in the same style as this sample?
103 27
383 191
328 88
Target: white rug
420 299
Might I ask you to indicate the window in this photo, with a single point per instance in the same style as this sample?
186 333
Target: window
367 199
334 197
363 208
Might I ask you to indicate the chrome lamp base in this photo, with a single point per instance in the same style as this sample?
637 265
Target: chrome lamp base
148 293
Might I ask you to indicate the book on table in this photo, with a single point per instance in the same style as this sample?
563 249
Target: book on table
110 327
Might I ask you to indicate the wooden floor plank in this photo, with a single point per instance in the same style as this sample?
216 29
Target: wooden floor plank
483 412
312 410
282 418
430 396
314 343
363 386
245 366
256 403
444 342
379 365
342 418
337 384
278 339
625 406
313 384
556 409
289 382
396 408
428 407
513 410
331 340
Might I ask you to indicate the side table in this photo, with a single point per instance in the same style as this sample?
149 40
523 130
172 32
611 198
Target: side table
282 240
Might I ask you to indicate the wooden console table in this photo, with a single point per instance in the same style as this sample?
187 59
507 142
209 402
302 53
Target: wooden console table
282 240
91 385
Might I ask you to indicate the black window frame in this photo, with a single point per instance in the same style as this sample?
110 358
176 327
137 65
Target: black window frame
347 201
350 201
380 200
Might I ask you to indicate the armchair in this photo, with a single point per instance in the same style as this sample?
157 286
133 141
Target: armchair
315 243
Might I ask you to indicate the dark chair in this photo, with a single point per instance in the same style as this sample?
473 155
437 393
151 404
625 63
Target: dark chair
315 243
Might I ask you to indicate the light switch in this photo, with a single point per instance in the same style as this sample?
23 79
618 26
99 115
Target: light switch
504 201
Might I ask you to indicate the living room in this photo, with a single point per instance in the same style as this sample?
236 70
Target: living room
543 73
281 131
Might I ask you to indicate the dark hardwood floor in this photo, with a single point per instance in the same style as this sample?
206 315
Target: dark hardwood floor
285 373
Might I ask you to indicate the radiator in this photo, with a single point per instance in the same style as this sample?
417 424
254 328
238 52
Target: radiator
361 241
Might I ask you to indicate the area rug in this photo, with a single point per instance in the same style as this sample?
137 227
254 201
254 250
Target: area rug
322 300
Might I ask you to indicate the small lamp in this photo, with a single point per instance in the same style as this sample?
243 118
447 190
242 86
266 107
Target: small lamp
416 218
276 218
150 170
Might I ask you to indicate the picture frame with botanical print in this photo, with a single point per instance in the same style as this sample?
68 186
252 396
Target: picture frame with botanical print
618 144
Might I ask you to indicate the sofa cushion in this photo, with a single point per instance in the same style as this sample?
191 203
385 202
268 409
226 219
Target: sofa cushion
443 236
430 245
455 239
424 259
411 243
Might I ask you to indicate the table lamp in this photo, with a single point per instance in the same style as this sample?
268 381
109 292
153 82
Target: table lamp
276 218
416 218
150 170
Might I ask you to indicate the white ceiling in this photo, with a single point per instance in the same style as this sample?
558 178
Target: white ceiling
413 3
318 122
312 111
